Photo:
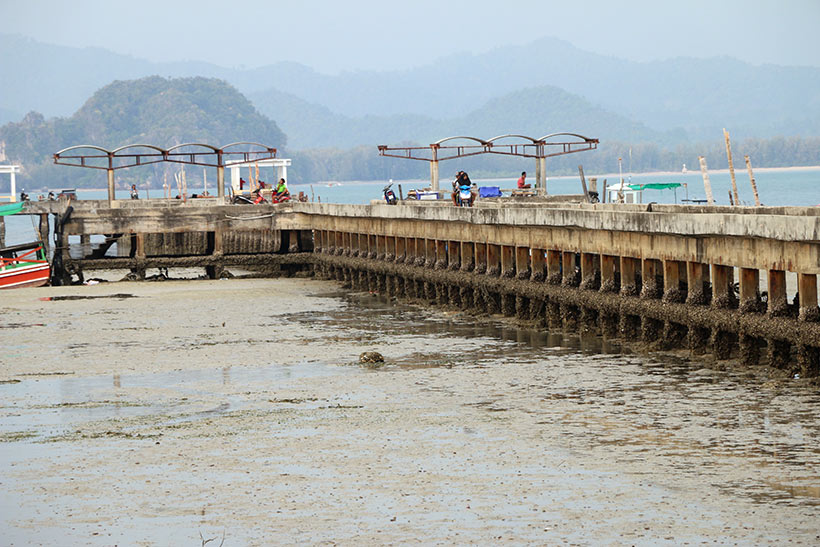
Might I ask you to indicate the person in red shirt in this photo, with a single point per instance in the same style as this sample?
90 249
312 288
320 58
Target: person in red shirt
522 181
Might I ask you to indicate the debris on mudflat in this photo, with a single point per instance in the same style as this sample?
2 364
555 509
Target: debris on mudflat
371 357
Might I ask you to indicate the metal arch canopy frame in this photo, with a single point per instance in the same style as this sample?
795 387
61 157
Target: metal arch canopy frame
175 154
535 148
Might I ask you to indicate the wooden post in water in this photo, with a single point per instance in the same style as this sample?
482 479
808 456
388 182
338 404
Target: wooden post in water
752 180
731 167
583 183
707 185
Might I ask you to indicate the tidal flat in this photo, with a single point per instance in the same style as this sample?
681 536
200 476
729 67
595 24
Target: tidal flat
179 411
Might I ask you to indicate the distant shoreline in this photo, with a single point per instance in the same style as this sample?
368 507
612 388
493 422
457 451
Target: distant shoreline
738 170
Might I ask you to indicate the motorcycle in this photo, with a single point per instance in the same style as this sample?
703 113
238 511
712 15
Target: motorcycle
389 195
464 196
249 199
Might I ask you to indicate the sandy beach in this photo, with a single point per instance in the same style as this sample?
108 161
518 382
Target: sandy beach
171 412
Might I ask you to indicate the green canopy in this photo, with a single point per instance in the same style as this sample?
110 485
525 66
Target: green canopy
654 186
11 208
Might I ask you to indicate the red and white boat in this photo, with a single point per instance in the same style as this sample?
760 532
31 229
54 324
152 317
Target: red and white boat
24 265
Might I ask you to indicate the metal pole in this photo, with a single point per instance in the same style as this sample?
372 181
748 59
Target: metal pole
13 186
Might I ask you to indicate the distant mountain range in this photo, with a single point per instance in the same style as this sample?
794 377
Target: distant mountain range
514 89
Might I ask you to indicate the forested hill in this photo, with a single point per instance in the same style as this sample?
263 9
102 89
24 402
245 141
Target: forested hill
533 112
152 110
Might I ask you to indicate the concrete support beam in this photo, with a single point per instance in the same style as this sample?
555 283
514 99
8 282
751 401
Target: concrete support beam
522 262
493 260
608 281
697 275
481 257
629 278
390 248
777 304
441 254
372 246
467 255
401 248
507 261
590 271
650 270
434 175
140 245
454 255
672 291
430 253
111 191
219 248
538 264
554 274
381 244
722 276
541 176
570 277
807 291
750 290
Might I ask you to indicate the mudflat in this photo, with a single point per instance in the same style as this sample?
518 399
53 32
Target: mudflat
179 411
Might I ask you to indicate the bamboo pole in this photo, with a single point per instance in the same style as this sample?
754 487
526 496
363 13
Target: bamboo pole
731 167
752 180
707 185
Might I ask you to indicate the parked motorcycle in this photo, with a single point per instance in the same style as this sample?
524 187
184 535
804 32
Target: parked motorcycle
249 199
464 196
389 195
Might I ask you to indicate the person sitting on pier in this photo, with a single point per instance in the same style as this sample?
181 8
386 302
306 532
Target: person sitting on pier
280 193
522 181
134 193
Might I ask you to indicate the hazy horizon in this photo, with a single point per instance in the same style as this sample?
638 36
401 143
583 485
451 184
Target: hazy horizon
332 37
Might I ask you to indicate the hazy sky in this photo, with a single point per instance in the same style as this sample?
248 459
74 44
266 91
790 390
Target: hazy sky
331 36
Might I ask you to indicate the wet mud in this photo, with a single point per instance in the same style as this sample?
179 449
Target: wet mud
655 319
259 422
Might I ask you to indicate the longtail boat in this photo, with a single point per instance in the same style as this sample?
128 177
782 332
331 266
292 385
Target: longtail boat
24 265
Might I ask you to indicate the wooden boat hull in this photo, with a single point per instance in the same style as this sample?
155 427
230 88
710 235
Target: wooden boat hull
24 266
29 275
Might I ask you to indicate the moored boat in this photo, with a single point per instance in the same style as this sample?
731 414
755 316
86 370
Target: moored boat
24 265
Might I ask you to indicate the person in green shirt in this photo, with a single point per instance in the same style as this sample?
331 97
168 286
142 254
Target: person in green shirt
281 193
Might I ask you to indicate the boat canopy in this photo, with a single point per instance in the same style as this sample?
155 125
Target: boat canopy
654 186
11 208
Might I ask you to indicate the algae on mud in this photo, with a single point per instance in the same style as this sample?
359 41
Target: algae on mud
475 429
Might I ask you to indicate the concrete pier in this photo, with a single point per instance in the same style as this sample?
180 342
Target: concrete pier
670 276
